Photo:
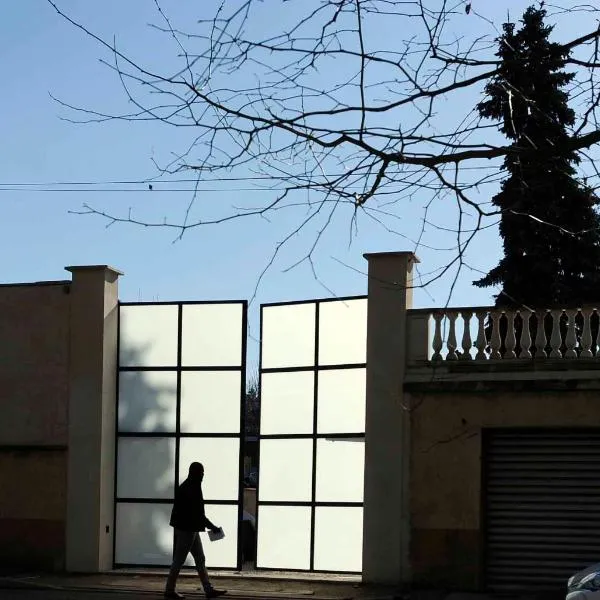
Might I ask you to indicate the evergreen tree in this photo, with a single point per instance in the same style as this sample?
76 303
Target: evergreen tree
549 223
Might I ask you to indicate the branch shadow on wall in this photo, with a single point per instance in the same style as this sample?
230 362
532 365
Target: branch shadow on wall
145 480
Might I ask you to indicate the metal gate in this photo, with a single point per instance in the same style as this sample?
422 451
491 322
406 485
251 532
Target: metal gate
542 507
180 399
312 426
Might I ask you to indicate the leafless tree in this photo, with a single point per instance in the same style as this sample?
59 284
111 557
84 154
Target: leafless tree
356 107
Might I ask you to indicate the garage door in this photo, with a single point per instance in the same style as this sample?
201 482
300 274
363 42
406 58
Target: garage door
542 507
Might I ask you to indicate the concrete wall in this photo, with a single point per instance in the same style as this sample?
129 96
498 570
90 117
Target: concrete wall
32 508
446 468
92 414
58 369
34 394
386 526
34 364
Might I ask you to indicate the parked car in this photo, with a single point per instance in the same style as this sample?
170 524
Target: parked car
585 585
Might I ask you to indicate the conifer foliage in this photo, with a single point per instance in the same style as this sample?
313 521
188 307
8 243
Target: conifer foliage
549 222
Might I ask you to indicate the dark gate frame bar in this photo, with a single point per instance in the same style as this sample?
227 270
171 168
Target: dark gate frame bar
314 441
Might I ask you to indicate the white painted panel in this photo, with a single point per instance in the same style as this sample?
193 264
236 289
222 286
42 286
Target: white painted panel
221 554
210 401
221 460
147 401
148 335
288 335
283 537
287 402
340 470
146 467
285 471
343 332
338 538
341 401
212 335
143 534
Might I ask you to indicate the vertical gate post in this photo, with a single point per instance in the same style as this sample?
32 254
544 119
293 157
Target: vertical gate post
92 413
386 525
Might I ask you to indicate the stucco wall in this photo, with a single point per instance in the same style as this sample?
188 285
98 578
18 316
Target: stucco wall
34 394
446 470
32 509
34 363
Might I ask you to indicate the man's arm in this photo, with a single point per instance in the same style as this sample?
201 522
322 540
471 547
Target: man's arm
207 522
210 524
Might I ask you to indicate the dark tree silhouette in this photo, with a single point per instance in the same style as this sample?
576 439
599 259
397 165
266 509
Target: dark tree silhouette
252 407
543 266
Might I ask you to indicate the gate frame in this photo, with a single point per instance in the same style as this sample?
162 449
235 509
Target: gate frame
314 436
177 434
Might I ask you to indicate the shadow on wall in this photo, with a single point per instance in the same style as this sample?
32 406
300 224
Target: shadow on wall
146 462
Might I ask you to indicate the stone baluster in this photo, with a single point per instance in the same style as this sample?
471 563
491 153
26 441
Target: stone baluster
586 336
571 337
495 342
467 342
555 338
540 336
481 342
510 341
451 341
525 340
437 342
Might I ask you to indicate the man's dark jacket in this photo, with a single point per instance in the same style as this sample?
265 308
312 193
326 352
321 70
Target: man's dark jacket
188 508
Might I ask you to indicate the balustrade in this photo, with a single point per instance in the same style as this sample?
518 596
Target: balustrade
477 334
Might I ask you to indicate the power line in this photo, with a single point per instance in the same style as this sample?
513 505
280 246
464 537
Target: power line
189 190
143 181
129 190
158 182
155 184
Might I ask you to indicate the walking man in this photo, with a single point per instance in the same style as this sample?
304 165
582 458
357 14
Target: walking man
188 518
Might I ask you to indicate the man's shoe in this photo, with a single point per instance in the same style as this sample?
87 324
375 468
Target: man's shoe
212 593
174 595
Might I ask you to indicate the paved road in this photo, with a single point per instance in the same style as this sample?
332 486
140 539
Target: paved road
71 595
65 594
7 594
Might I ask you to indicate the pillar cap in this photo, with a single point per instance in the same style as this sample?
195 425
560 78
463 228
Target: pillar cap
79 268
411 255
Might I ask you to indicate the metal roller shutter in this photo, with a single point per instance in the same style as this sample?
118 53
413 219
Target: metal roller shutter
542 507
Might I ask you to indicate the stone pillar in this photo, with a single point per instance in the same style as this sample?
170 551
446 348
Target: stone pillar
92 413
386 525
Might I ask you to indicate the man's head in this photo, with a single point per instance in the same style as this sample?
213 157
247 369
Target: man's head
196 471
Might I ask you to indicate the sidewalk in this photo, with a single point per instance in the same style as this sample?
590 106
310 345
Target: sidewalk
240 585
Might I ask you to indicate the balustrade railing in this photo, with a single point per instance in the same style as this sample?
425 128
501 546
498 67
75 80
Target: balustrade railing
483 334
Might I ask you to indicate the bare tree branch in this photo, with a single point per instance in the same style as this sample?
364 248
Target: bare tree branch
349 107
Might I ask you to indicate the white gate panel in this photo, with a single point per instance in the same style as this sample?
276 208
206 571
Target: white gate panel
144 536
284 537
338 538
180 400
312 425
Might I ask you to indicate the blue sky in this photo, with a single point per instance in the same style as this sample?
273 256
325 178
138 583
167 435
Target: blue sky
42 55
